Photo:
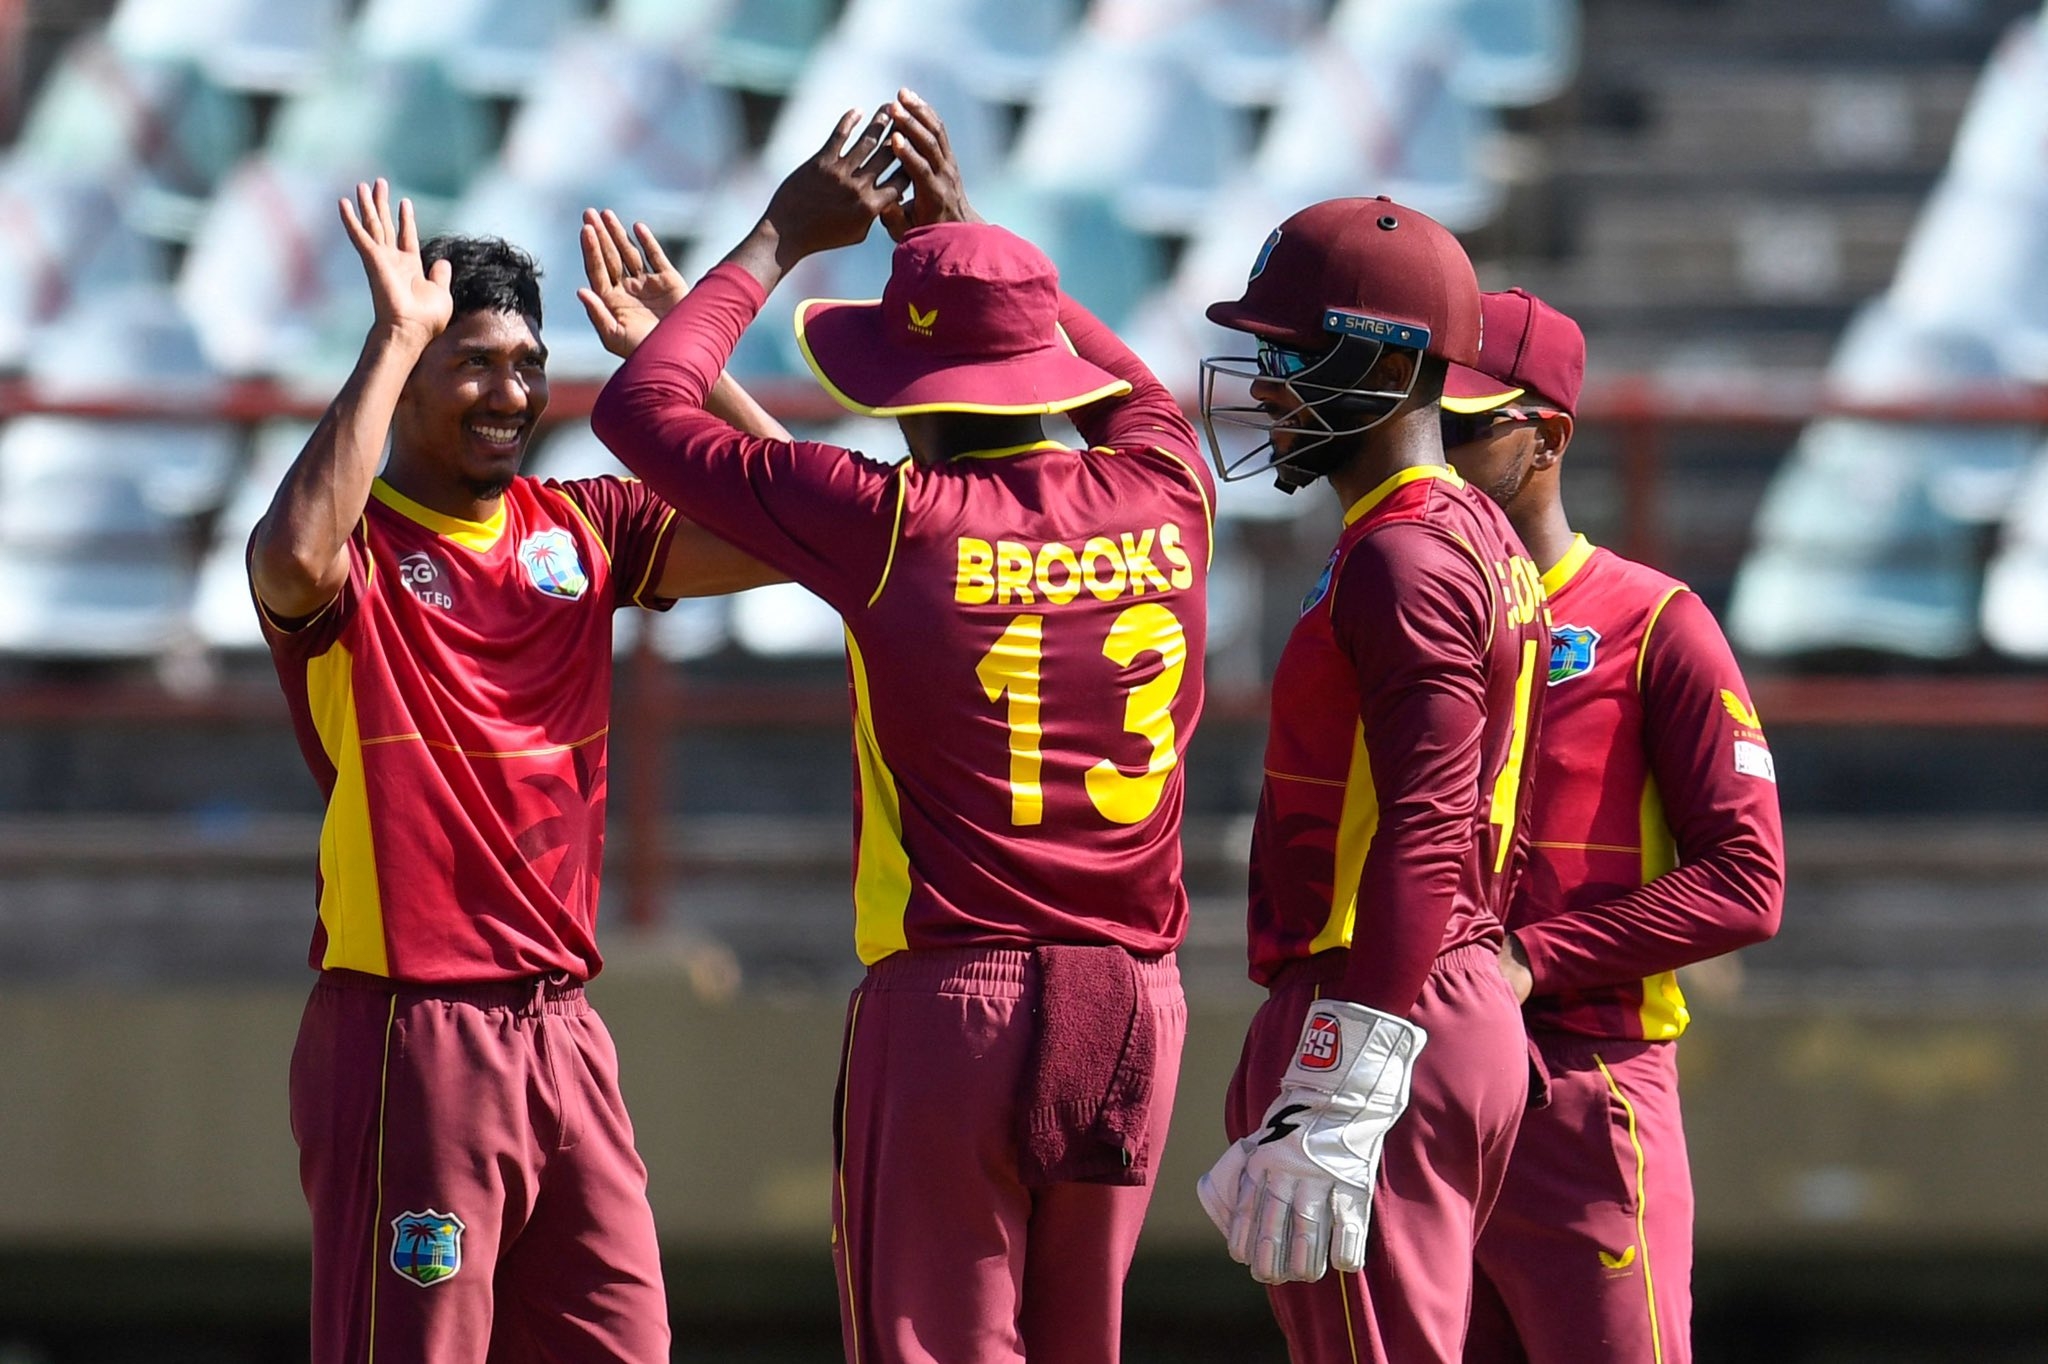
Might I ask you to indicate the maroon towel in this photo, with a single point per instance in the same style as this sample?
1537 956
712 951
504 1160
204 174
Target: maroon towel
1086 1092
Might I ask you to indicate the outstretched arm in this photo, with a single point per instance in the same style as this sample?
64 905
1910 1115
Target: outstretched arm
817 514
298 556
1148 414
632 287
831 200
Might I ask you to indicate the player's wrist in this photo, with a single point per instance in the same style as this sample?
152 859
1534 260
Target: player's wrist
1345 1047
400 337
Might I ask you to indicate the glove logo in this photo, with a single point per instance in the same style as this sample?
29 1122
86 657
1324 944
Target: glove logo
1321 1043
1279 1128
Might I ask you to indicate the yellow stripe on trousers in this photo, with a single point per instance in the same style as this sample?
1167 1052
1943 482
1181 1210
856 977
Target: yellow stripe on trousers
1642 1200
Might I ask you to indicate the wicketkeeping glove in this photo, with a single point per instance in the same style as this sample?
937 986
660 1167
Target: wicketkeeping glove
1296 1198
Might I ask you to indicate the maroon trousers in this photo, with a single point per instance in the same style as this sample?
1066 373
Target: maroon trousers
472 1179
1439 1171
1588 1256
943 1255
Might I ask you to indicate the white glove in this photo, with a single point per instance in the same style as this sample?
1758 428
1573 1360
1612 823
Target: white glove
1296 1198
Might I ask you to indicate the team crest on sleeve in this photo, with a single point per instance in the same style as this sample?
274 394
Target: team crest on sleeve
426 1247
1322 587
1572 648
552 564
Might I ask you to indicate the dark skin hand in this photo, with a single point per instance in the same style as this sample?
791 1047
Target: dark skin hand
830 201
920 142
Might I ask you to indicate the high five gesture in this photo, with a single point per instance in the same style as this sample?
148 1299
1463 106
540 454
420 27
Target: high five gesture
410 300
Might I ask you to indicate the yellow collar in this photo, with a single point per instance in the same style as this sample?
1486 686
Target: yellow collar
1006 451
1412 474
475 535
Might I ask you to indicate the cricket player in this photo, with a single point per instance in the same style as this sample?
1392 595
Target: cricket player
1383 1078
443 634
1654 843
1025 625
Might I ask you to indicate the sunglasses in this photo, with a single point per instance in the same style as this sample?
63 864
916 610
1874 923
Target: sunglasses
1276 362
1463 428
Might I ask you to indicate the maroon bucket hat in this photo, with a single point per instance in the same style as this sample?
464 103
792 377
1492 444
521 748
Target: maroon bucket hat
968 322
1531 353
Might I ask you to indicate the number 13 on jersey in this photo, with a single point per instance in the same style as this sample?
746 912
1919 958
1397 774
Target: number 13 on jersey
1010 674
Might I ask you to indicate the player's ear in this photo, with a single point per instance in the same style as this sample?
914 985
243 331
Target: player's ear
1553 434
1393 370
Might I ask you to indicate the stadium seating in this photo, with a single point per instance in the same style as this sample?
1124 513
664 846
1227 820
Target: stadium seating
271 282
1161 149
399 117
685 112
1873 536
63 242
2015 616
1516 52
109 114
490 47
1239 51
630 126
252 45
222 617
91 521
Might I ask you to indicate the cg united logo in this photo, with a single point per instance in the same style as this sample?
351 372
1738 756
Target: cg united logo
421 574
552 565
426 1247
1321 1043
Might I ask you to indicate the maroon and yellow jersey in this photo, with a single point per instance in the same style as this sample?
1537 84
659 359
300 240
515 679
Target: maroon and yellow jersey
1655 840
453 702
1403 704
1024 636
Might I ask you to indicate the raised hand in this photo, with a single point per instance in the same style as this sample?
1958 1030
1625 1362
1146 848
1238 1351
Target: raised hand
410 300
833 199
920 142
632 284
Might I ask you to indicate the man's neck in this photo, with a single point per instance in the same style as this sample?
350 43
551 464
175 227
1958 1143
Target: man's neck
1545 531
1404 441
439 495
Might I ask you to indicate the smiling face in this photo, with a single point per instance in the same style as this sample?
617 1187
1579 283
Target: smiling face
468 411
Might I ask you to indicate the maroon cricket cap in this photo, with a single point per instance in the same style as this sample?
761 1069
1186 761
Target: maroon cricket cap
1348 258
968 322
1532 350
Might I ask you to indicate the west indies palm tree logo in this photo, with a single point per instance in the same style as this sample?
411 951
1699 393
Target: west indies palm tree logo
552 564
576 827
426 1247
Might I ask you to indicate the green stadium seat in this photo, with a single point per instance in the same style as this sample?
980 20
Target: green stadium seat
489 47
403 118
1162 147
633 128
110 114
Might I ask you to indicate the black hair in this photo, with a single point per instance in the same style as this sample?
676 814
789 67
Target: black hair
490 274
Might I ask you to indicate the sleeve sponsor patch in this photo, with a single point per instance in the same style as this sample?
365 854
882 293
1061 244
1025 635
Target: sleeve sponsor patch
1754 760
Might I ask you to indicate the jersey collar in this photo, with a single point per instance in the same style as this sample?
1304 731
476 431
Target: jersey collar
1567 568
475 535
1006 451
1412 474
